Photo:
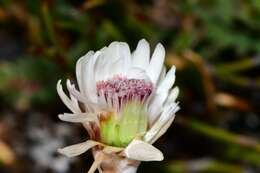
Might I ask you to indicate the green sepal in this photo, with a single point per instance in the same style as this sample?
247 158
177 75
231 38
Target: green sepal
120 130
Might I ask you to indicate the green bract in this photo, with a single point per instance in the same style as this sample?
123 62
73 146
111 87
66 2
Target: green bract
120 130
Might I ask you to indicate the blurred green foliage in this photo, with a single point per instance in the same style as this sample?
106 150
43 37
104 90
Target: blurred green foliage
40 41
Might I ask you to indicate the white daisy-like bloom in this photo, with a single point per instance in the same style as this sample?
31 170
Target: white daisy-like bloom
125 100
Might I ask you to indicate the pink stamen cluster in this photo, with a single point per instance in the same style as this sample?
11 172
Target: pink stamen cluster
124 89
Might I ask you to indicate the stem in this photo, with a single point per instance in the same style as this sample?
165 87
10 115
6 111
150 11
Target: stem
113 163
119 166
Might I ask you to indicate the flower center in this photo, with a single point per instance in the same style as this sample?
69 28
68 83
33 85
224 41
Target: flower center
120 90
127 118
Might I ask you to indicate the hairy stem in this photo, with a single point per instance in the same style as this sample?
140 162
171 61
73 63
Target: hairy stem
112 163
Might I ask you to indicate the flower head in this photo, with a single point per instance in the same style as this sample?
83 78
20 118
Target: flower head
125 101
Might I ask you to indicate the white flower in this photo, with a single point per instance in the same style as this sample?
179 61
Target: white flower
109 81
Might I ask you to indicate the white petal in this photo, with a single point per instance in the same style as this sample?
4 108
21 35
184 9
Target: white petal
115 60
119 57
72 97
119 50
74 92
113 51
126 54
156 105
80 66
78 118
167 82
137 73
156 63
77 149
163 129
101 68
142 151
173 95
115 68
141 55
166 115
89 79
162 75
66 100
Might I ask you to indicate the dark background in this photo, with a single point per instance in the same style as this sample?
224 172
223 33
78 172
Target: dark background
215 45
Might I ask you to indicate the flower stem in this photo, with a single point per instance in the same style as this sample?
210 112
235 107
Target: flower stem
112 163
